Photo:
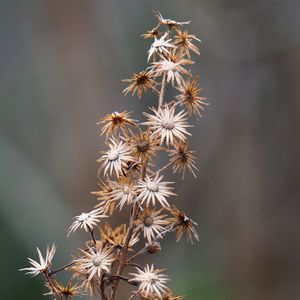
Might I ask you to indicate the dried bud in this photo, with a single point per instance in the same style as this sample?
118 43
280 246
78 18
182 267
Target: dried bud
153 247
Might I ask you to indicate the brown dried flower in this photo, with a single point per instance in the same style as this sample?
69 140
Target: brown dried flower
181 223
115 121
182 159
140 82
190 96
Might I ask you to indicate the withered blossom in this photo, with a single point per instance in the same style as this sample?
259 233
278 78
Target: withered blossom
182 159
190 96
167 125
152 223
170 23
151 281
115 158
43 265
183 40
160 46
154 189
140 82
87 221
182 224
115 121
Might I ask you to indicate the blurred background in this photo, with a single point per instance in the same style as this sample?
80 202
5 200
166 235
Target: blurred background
61 66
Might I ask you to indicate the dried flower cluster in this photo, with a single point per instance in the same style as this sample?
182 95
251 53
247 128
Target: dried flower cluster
131 180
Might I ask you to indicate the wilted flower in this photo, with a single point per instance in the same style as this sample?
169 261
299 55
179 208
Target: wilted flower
94 262
124 191
151 282
116 237
140 82
160 45
168 125
182 159
181 223
190 96
153 189
44 265
115 121
87 221
65 292
183 40
172 68
116 157
153 33
170 23
152 223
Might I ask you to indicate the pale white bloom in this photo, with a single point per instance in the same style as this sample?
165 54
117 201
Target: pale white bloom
43 265
167 125
151 283
172 68
152 190
116 157
124 191
87 221
94 262
160 45
151 222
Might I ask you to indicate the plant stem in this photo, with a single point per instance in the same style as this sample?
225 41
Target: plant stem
124 252
162 92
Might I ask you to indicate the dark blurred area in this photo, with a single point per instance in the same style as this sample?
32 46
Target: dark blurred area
61 66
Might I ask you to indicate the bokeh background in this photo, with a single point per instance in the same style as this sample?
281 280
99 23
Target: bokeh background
61 65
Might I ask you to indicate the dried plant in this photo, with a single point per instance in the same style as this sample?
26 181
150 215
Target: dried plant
130 179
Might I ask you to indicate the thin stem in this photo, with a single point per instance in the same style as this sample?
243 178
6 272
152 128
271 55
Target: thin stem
161 169
142 251
162 92
61 268
124 252
92 234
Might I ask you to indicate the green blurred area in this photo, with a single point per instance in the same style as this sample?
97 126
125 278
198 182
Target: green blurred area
61 66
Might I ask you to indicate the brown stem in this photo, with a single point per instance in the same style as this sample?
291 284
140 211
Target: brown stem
92 234
124 252
61 268
162 92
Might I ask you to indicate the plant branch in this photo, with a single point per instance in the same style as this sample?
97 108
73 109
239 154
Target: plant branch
162 92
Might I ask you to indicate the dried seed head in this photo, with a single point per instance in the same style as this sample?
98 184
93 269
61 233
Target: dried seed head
153 247
140 82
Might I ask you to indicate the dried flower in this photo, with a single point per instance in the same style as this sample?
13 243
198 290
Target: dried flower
151 282
44 265
115 121
87 221
116 237
152 189
116 157
183 40
153 33
153 247
190 98
69 291
144 145
170 23
140 82
161 46
107 203
167 125
124 191
172 68
182 159
95 261
181 223
151 222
